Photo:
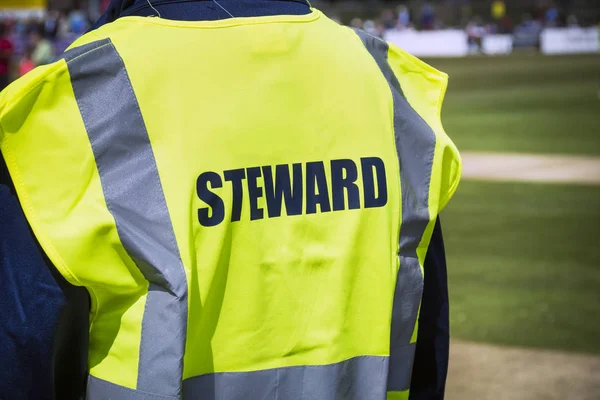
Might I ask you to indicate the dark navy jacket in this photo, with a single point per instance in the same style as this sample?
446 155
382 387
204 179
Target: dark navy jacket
44 319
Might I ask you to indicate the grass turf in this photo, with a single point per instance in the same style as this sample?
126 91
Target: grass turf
523 103
524 264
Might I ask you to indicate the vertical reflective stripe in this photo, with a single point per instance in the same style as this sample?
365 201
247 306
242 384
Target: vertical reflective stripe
400 367
359 378
135 198
415 145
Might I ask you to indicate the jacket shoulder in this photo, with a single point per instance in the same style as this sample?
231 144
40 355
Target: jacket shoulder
425 88
42 85
409 63
27 88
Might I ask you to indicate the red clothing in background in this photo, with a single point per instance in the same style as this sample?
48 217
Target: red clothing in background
25 66
6 49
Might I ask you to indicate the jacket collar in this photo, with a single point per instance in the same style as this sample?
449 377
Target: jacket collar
201 10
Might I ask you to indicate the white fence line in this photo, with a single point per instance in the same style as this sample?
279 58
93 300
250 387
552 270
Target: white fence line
570 40
454 43
446 43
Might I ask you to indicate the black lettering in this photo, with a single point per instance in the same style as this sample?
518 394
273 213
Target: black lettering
214 202
283 189
341 182
254 193
236 176
316 188
367 165
282 186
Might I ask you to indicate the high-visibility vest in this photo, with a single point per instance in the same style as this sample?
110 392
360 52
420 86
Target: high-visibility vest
248 202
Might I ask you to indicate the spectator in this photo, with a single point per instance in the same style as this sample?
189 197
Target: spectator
403 18
51 25
427 17
552 15
506 25
380 29
19 38
356 23
78 22
527 33
372 28
43 52
26 64
6 52
388 18
475 33
63 25
498 9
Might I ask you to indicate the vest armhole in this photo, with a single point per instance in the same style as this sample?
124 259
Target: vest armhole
425 89
451 160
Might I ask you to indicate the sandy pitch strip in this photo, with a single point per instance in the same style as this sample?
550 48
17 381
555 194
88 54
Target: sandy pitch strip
531 168
488 372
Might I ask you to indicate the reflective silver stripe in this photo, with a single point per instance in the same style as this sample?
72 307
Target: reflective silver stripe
401 366
415 145
135 198
99 389
360 378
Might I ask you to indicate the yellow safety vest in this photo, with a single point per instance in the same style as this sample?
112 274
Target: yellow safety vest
248 202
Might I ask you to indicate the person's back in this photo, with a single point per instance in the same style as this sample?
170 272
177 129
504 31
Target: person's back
237 212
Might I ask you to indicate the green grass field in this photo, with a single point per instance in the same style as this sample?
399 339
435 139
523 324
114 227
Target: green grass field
523 258
524 264
524 103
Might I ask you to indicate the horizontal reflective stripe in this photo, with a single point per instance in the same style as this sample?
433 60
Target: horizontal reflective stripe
360 378
99 389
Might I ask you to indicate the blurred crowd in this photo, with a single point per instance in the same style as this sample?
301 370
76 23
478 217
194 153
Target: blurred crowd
28 43
427 15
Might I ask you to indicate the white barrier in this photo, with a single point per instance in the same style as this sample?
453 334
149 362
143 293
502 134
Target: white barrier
21 13
447 43
497 44
453 43
570 40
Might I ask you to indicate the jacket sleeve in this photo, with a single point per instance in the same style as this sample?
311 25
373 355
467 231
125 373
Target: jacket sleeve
43 323
31 304
433 337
